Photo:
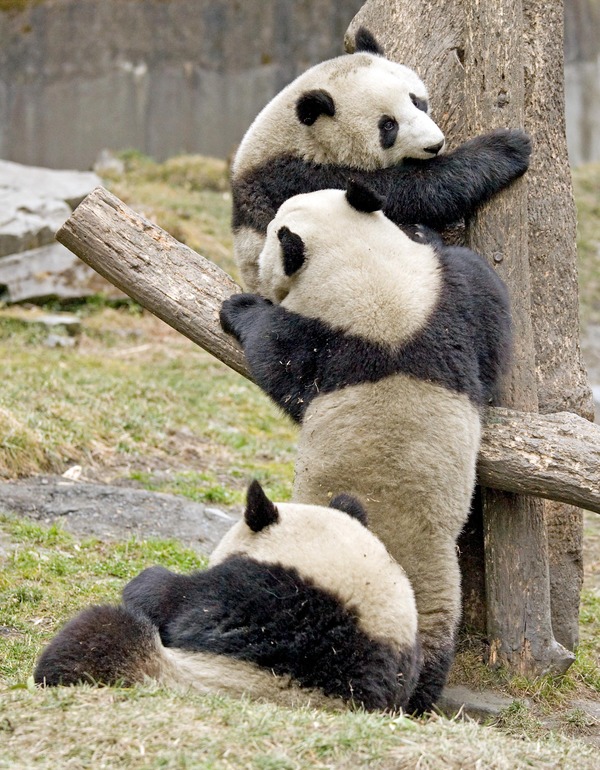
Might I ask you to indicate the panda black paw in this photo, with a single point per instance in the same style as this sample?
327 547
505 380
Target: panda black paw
514 144
234 308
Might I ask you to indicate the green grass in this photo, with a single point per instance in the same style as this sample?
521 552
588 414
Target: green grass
47 575
149 397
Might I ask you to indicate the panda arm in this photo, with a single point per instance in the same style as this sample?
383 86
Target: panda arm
445 189
435 192
491 325
283 349
157 593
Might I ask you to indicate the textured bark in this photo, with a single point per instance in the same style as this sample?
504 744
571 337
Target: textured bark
519 625
561 378
555 455
437 39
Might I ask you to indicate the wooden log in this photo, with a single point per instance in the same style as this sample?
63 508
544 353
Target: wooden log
169 279
555 456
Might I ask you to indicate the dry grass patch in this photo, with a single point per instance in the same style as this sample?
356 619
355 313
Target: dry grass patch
147 727
137 397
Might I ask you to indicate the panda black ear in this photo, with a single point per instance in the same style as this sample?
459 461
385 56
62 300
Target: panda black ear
312 104
362 198
260 511
292 246
365 41
350 505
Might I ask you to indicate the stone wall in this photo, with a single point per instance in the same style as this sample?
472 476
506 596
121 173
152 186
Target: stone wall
582 79
161 76
177 76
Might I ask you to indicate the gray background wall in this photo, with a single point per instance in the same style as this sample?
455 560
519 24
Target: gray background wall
582 79
173 76
162 76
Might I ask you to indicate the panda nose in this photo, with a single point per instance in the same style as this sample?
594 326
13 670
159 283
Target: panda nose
435 148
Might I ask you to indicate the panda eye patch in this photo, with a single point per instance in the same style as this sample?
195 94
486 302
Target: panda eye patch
388 131
420 104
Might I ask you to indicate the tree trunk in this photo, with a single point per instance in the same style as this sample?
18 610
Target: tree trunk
462 62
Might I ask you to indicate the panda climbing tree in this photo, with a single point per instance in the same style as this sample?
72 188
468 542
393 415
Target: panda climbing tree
528 234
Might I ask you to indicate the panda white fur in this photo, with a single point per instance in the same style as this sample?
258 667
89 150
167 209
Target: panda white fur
364 117
299 605
384 348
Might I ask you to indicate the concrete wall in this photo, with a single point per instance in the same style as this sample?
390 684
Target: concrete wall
173 76
162 76
582 79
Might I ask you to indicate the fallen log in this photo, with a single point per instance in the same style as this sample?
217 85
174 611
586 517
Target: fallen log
556 456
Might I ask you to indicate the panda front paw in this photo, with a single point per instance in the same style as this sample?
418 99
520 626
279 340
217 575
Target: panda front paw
515 145
233 310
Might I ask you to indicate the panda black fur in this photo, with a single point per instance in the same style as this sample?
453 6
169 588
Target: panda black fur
384 348
364 117
299 605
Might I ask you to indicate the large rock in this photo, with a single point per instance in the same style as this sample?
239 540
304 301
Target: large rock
26 220
34 203
50 271
68 186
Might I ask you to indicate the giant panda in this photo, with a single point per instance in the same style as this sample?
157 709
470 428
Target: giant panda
364 117
299 605
384 347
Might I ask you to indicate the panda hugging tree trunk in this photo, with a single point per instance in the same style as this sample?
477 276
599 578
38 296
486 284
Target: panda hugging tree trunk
362 117
384 347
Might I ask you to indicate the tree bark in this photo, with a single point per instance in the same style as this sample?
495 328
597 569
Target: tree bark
462 62
555 455
519 625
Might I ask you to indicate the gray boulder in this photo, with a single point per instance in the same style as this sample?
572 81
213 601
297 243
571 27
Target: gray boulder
34 204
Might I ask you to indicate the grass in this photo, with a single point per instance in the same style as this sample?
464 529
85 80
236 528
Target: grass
47 575
586 183
135 395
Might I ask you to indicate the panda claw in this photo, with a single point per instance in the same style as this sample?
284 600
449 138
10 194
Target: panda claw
233 308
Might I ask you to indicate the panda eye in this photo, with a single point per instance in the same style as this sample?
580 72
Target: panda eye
420 104
388 131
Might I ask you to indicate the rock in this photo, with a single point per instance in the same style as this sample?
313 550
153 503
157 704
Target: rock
68 186
479 705
114 513
71 323
34 203
50 271
28 220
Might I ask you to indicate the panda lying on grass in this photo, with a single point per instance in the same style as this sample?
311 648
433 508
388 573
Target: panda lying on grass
300 605
384 347
363 117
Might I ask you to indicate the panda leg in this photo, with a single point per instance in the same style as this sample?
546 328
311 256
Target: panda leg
433 676
436 583
102 645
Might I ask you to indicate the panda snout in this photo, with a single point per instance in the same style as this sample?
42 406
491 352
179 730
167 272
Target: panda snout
434 148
